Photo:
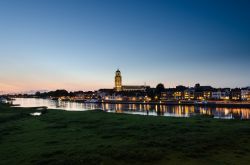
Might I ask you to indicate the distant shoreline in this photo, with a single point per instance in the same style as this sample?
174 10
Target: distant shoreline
228 104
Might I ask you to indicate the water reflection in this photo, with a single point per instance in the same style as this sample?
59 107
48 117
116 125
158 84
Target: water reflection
142 109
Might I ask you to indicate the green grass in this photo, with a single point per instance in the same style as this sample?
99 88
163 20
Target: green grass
96 137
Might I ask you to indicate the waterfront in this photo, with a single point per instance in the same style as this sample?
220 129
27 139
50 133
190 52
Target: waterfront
141 109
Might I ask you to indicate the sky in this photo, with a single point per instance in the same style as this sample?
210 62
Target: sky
79 44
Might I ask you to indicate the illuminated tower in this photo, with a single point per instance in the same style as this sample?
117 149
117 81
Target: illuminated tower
118 81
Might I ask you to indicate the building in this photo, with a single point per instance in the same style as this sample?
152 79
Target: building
113 97
221 94
236 94
119 87
134 88
179 93
203 92
245 94
101 93
168 94
118 81
189 94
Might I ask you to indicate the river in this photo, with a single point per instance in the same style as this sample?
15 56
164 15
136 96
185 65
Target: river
141 109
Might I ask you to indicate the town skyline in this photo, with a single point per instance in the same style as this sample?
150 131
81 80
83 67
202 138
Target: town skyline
114 86
77 45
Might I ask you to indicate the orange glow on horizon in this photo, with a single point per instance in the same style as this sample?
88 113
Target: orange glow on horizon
25 87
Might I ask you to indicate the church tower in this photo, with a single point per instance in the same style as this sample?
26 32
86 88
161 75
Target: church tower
118 81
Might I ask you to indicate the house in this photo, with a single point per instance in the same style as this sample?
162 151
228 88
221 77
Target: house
245 94
236 94
179 92
189 94
203 92
168 94
221 94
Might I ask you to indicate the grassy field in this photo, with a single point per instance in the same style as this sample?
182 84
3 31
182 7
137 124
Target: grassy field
96 137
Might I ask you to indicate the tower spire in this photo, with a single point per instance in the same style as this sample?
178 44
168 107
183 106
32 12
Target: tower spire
118 81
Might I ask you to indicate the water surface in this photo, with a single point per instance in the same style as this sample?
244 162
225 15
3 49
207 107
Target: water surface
141 109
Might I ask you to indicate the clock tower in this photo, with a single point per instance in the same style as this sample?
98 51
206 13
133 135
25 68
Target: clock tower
118 81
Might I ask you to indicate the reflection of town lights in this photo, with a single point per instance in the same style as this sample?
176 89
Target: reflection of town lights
226 111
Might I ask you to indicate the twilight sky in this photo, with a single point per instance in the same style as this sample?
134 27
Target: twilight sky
79 44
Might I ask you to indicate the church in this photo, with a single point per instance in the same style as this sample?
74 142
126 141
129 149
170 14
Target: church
119 87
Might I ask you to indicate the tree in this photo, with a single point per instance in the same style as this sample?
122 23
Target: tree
38 94
150 93
159 89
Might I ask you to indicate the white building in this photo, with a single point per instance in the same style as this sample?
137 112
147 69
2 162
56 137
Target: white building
245 94
220 95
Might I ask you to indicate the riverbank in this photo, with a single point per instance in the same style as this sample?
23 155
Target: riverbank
96 137
228 104
210 103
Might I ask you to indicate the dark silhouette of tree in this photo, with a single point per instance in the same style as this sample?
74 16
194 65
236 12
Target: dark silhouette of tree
59 93
150 93
38 94
181 88
159 89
